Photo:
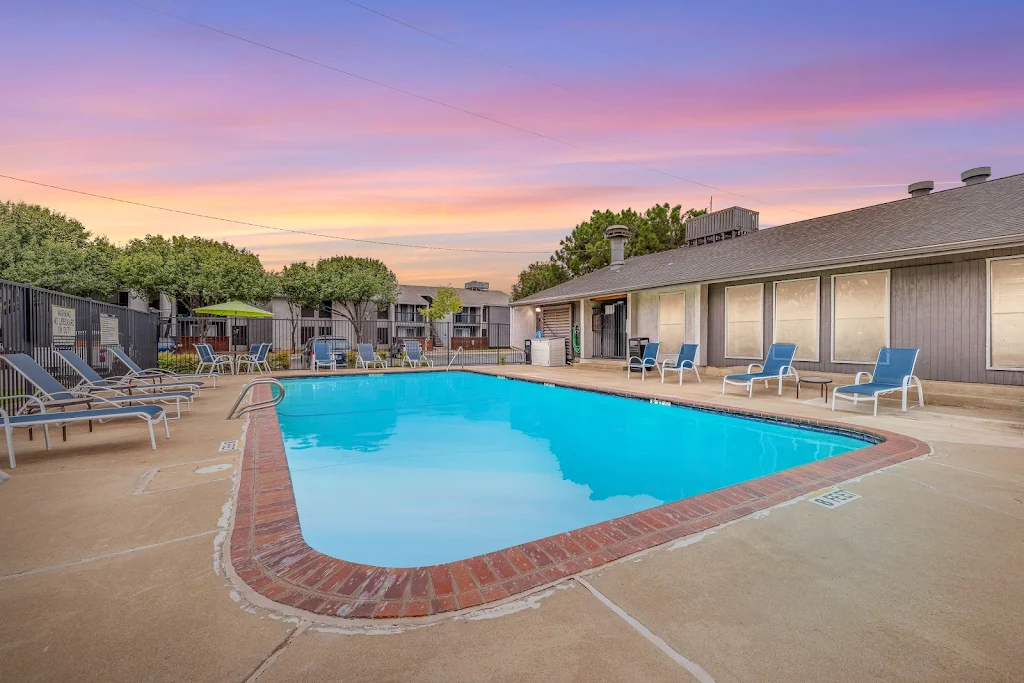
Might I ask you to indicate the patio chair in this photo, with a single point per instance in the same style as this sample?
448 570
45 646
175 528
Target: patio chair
257 358
322 357
414 354
645 364
686 360
159 374
127 383
55 395
210 362
778 365
151 414
894 371
368 357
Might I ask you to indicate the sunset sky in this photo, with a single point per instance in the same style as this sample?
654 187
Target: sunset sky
807 107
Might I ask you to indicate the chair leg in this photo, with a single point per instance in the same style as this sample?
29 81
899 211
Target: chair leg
10 446
699 380
152 438
46 436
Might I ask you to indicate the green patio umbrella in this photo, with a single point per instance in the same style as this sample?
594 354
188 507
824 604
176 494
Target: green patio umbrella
236 309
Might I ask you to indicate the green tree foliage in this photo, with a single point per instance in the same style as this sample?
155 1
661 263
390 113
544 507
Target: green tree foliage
47 249
444 303
194 270
537 277
353 286
659 228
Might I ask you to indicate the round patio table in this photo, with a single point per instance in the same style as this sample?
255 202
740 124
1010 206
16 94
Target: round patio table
822 381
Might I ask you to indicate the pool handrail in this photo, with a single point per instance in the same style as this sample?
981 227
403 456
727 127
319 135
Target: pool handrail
273 401
453 359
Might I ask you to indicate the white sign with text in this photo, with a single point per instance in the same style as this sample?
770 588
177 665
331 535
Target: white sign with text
108 330
64 325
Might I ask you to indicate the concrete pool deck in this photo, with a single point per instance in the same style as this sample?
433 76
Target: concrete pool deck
108 572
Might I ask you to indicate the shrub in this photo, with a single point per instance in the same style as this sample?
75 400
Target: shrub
180 363
350 359
280 360
501 359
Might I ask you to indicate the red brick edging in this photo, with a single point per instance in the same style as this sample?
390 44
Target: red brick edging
269 554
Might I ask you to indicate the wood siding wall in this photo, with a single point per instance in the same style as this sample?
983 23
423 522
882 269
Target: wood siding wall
938 305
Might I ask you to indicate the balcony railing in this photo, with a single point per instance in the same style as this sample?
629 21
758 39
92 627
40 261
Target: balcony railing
409 318
467 319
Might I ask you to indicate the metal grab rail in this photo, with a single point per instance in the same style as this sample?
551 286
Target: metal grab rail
255 406
453 359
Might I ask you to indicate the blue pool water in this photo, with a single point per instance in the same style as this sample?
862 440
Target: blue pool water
414 469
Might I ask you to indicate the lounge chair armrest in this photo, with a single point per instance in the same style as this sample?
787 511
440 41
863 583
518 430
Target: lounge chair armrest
856 380
39 401
750 368
633 358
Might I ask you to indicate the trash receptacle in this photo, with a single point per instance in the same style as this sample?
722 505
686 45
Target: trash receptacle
637 346
526 349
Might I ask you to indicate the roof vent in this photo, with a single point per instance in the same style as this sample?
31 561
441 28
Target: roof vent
921 189
617 234
478 286
976 175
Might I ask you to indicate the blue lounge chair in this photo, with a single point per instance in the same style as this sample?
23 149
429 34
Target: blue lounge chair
778 365
91 380
257 358
368 357
414 354
322 357
894 371
645 364
686 360
210 363
151 414
159 374
55 395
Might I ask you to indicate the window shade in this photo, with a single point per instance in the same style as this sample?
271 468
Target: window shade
743 321
861 324
796 316
671 313
1006 306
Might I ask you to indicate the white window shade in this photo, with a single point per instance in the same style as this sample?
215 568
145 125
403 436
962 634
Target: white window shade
671 314
861 316
796 316
1006 307
744 309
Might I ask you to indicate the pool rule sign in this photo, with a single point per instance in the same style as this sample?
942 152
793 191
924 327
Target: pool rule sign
63 326
108 330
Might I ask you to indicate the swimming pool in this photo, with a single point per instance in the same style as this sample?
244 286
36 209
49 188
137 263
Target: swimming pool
414 469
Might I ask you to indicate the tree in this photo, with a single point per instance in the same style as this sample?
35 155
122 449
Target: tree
351 284
659 228
537 277
47 249
194 270
445 302
298 285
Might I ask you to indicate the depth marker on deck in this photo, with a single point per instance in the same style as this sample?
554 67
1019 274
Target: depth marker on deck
228 446
834 498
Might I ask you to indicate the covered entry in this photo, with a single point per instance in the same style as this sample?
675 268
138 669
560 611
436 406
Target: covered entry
608 327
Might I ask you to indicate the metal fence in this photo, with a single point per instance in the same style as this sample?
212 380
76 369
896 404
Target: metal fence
37 322
291 339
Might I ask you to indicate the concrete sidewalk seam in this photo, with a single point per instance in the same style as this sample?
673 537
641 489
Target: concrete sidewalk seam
107 556
692 667
954 495
265 664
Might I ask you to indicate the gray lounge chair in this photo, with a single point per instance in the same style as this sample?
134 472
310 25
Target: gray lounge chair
151 414
686 360
368 357
894 371
647 363
55 395
322 357
778 365
159 374
91 380
414 354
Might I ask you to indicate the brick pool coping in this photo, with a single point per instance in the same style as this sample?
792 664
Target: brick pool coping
269 554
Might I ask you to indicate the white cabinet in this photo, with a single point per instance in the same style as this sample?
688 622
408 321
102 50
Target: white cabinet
549 351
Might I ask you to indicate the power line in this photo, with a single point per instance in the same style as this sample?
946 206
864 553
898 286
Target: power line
473 52
271 227
453 107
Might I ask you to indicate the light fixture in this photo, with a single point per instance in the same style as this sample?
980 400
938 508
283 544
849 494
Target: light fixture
537 309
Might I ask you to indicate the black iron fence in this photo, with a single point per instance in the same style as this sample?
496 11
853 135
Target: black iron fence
291 339
37 322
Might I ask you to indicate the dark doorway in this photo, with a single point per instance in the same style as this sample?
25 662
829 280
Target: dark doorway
608 325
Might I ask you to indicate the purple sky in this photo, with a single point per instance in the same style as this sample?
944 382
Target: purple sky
804 106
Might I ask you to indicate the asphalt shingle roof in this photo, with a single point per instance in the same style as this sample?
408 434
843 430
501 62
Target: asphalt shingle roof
413 294
965 216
